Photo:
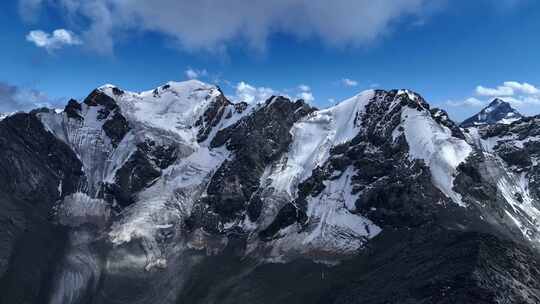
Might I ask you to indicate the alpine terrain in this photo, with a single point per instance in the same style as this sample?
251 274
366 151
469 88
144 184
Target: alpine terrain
180 195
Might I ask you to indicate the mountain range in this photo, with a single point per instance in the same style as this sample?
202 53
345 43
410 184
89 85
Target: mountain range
179 195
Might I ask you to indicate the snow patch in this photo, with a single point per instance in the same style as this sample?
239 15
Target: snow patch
434 144
333 230
313 137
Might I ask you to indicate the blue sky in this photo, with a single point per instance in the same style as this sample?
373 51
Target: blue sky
457 54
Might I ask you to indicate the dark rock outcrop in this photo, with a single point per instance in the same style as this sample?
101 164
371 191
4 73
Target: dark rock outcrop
256 141
73 109
142 168
211 117
36 170
115 126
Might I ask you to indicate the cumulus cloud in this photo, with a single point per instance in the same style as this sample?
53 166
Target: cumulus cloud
524 88
251 94
195 74
349 82
499 91
213 24
14 98
56 40
305 93
508 88
306 96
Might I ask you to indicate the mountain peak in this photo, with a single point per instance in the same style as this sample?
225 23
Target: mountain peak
497 102
176 86
498 111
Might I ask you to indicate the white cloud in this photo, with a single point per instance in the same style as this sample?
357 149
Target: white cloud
493 92
58 39
349 82
250 94
306 96
521 101
508 88
195 74
305 93
514 92
524 88
304 88
211 25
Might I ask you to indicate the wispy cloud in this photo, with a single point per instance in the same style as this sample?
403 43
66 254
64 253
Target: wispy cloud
195 74
349 82
29 9
53 41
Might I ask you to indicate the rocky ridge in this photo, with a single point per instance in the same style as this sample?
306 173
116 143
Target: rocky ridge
163 188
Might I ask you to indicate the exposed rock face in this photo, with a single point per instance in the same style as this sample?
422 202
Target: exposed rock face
498 111
256 141
178 195
142 168
36 170
73 109
504 175
211 117
116 125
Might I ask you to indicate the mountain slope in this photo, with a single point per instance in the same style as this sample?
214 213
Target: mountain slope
165 186
36 170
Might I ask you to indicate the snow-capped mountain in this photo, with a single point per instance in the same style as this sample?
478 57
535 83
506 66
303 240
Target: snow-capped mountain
179 195
498 111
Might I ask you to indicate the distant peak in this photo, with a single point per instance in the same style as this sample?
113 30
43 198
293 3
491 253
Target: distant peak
497 112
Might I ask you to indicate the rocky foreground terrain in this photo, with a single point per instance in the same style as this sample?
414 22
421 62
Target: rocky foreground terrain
179 195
